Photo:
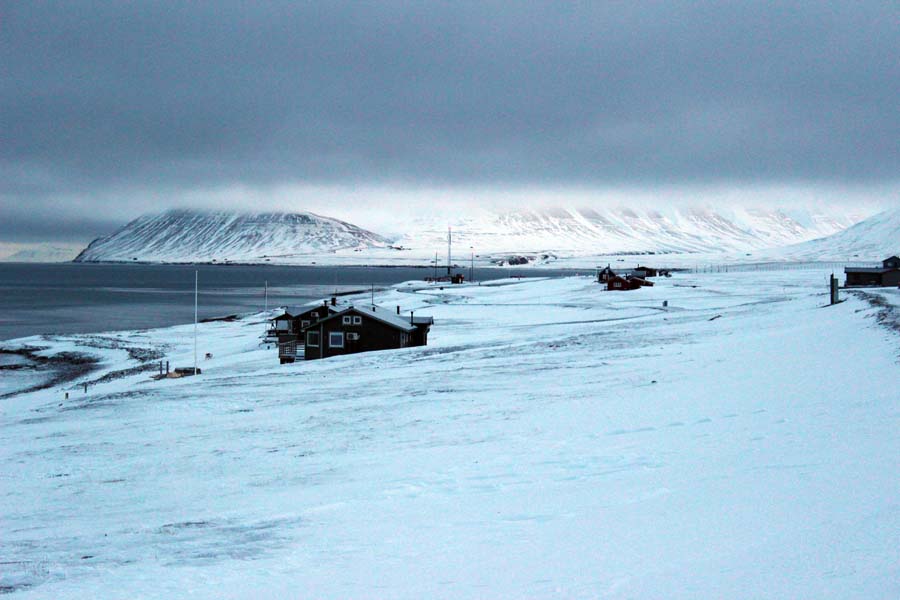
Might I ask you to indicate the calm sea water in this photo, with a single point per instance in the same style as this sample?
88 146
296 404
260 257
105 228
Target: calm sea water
82 298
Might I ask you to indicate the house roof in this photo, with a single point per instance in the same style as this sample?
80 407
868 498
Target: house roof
422 320
331 309
378 313
283 317
867 270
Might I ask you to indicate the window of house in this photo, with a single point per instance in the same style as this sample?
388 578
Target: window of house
357 320
315 315
336 339
347 319
304 324
312 338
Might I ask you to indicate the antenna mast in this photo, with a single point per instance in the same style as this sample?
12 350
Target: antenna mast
196 287
449 241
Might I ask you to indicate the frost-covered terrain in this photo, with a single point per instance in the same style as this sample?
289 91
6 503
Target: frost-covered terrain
553 440
192 236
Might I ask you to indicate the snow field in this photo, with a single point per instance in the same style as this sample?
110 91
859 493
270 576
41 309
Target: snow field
552 440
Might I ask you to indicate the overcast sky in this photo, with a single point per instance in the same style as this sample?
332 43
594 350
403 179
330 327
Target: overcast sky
109 111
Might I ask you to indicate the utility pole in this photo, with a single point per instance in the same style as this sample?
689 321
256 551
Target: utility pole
267 296
449 238
435 265
472 266
196 294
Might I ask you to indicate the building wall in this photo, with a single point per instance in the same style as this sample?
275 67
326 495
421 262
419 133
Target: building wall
891 278
373 335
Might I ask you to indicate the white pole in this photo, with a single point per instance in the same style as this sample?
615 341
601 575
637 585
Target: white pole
449 238
196 287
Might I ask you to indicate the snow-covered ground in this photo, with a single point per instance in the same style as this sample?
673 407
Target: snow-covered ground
553 440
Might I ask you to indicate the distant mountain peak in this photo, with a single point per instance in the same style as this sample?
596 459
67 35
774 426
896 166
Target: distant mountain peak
180 235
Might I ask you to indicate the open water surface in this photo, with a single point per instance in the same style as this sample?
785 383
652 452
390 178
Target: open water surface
83 298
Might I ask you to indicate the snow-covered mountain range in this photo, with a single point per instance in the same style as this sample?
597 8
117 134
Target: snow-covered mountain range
869 240
194 236
629 230
413 237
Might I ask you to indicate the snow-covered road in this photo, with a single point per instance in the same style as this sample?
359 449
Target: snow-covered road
553 440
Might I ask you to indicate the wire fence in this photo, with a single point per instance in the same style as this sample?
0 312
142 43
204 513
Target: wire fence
777 266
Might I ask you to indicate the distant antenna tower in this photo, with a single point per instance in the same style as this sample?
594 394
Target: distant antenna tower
449 243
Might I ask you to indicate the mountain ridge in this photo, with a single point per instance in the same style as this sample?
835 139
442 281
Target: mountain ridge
181 235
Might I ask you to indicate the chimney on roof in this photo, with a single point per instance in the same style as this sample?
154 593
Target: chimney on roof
325 303
410 317
398 309
334 300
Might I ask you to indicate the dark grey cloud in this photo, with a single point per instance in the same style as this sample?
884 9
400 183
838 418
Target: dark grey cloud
162 95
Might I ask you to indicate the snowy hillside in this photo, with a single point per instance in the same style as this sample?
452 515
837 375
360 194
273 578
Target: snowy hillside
44 253
553 440
191 236
872 239
625 230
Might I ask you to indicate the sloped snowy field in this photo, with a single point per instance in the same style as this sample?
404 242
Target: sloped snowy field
553 441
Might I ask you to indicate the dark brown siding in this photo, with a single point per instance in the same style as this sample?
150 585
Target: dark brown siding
373 335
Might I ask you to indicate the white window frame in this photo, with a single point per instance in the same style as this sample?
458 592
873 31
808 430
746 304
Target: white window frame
309 338
357 320
304 324
352 336
331 338
347 319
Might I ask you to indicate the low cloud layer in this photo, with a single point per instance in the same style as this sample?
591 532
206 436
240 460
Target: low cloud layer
119 103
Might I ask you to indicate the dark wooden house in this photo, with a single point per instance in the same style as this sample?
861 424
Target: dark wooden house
617 283
888 274
282 325
363 328
315 313
645 272
288 327
605 274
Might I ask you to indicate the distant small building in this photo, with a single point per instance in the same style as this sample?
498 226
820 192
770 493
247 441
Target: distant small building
645 272
888 274
639 281
454 278
363 328
617 283
605 274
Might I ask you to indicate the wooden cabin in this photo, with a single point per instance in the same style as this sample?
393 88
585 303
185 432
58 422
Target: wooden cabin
645 272
282 325
315 313
363 328
888 274
289 341
605 274
620 284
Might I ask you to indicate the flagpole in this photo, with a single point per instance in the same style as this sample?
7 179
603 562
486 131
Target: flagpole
196 287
